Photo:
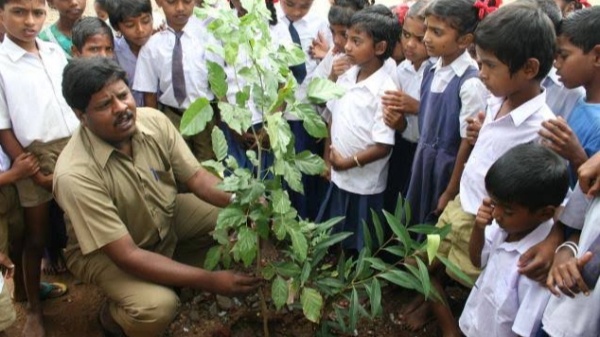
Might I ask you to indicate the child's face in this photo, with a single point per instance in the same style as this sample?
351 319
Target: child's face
573 66
68 9
96 45
100 12
23 20
413 32
360 47
177 12
441 39
496 75
516 220
339 37
295 9
136 30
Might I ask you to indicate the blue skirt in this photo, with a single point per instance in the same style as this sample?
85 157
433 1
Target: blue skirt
399 171
355 208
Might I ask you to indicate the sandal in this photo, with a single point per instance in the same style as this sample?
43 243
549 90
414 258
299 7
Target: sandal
49 290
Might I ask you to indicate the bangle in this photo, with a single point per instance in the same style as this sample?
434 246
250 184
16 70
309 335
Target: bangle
356 161
232 198
571 246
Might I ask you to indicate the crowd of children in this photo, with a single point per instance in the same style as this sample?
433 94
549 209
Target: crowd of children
488 144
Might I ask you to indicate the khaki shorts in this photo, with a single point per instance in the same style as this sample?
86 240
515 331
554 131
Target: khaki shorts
455 246
7 311
30 193
11 216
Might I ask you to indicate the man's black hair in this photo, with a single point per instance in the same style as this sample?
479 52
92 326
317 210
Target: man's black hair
89 26
85 76
124 9
529 175
517 32
380 24
582 28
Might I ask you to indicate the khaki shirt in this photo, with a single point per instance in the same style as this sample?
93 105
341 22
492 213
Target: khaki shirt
106 194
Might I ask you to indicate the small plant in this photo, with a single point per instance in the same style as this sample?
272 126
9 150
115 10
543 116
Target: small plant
262 215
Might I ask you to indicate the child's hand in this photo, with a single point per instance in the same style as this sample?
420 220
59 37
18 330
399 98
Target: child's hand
43 180
484 214
338 162
340 66
589 176
535 263
319 47
394 119
566 274
473 126
327 173
8 264
443 201
401 102
25 166
559 137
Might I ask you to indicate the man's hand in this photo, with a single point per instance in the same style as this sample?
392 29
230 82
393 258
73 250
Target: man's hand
484 214
340 66
559 137
589 176
566 274
25 165
229 283
473 126
399 101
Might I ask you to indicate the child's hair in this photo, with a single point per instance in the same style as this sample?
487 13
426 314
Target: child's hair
516 33
354 4
271 7
4 2
339 15
128 9
462 15
87 27
379 23
105 4
417 10
529 175
85 76
582 28
550 8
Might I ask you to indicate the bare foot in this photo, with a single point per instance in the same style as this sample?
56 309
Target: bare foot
34 325
53 263
418 318
411 306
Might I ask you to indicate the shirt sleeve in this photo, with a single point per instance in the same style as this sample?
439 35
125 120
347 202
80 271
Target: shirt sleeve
532 303
473 96
5 122
146 75
573 215
491 234
381 133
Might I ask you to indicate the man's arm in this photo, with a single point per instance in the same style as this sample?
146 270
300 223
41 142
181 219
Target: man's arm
204 185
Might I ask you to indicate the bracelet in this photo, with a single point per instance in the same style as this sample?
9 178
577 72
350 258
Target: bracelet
570 245
356 161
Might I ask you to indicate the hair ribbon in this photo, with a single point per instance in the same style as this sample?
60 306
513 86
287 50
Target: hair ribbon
483 7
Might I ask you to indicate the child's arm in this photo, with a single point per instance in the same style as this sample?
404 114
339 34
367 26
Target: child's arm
453 186
361 158
566 271
560 138
13 148
535 263
24 166
151 100
484 218
399 101
589 176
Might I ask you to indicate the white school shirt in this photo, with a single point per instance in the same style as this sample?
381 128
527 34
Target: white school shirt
560 99
578 316
409 81
324 68
308 29
495 138
504 303
357 123
154 65
4 161
573 214
473 93
31 99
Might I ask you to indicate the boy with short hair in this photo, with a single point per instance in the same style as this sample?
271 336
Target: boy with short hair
30 68
172 71
515 45
92 37
525 187
133 20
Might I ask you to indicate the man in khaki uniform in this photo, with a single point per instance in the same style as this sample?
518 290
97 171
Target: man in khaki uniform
130 232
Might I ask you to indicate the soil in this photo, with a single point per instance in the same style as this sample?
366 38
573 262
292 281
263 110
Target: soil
205 315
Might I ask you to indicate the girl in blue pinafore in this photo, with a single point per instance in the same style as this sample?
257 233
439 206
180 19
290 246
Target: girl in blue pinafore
451 92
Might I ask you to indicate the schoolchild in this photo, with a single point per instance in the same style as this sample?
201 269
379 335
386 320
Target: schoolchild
172 71
132 19
360 141
30 67
525 187
69 12
450 93
92 37
513 64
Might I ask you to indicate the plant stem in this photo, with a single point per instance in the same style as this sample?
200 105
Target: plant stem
263 303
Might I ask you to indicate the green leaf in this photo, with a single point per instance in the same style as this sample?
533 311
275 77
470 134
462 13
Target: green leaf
230 53
309 163
399 207
354 304
293 177
231 217
456 271
424 278
213 256
312 303
322 90
279 228
402 279
213 166
324 226
299 244
293 55
426 229
305 273
332 240
311 120
196 117
433 243
246 245
378 227
279 292
268 272
241 97
237 118
219 143
279 133
217 79
280 201
398 229
255 191
407 213
399 251
231 163
375 298
287 269
377 263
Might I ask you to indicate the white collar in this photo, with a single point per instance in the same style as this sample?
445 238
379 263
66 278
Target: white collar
459 66
524 111
371 83
15 52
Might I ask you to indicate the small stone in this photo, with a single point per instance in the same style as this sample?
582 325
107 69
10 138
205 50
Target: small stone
213 310
186 329
195 316
225 303
197 299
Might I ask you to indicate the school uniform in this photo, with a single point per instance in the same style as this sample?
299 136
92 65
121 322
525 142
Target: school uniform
107 195
357 123
54 35
153 74
561 100
503 302
41 125
127 60
449 95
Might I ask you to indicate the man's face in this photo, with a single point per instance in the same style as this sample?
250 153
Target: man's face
111 114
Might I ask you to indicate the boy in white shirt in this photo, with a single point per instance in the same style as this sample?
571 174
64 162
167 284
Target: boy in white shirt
526 185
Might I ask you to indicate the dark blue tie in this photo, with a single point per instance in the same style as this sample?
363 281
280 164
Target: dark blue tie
177 76
299 70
